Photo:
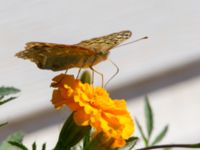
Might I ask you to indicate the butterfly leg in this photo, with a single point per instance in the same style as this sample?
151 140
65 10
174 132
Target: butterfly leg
117 71
66 71
79 71
102 78
92 77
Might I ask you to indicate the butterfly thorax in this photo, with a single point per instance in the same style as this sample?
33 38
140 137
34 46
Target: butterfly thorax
97 58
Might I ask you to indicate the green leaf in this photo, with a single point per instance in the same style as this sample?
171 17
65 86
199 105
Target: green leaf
8 90
44 146
86 139
161 135
148 117
70 134
7 100
196 145
1 97
76 147
130 143
16 137
141 132
3 124
18 145
34 146
94 143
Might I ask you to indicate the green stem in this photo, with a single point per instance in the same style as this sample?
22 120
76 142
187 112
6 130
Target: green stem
169 146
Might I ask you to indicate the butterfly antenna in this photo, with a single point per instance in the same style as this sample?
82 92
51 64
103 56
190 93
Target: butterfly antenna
143 38
117 71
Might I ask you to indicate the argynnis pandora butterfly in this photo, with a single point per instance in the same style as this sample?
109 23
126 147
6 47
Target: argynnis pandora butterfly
85 54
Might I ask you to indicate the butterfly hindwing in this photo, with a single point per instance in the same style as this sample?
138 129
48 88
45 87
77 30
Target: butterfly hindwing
55 56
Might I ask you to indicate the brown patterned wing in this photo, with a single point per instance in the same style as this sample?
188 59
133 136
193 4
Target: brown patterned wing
105 43
55 56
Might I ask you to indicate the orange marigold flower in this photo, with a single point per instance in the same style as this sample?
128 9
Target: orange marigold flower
93 106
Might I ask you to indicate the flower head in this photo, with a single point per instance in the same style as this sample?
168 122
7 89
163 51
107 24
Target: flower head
93 106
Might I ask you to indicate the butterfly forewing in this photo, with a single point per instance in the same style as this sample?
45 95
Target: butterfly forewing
105 43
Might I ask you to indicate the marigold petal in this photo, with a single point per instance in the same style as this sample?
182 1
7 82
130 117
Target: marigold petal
81 118
57 100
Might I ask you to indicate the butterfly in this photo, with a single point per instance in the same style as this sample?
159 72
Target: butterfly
85 54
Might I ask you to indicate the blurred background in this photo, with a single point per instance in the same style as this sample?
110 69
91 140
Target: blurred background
166 67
